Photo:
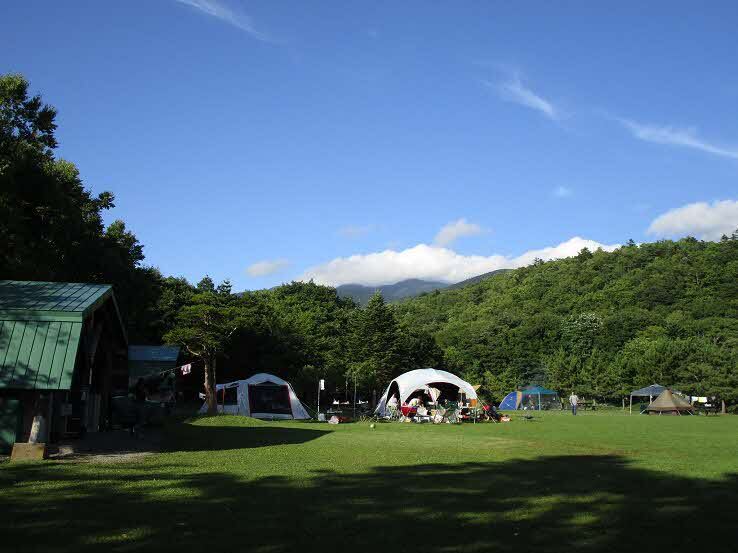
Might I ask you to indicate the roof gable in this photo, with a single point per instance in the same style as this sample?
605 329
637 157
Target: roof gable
40 328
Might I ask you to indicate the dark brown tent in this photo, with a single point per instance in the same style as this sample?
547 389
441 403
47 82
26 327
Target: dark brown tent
669 404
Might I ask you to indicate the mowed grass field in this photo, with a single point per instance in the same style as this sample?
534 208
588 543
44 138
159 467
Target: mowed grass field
596 482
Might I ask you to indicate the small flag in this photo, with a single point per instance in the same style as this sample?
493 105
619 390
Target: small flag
186 369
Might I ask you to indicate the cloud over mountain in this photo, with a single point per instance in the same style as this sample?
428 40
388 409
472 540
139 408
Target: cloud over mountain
429 262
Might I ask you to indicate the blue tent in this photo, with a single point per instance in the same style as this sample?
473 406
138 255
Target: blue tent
531 397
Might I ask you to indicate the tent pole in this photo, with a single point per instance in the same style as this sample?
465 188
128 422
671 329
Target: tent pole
354 397
631 404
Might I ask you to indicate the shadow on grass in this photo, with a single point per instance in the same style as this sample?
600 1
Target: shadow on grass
188 437
568 504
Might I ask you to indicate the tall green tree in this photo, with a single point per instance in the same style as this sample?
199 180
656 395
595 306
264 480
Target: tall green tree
375 343
204 327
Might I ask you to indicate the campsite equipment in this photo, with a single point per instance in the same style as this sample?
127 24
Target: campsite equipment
451 413
650 392
424 380
669 403
263 396
531 397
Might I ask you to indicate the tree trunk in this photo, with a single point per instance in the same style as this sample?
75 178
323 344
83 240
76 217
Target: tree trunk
210 395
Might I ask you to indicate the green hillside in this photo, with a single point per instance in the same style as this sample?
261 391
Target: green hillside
601 323
390 292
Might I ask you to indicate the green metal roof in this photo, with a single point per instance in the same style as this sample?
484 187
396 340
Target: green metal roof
50 300
38 354
40 326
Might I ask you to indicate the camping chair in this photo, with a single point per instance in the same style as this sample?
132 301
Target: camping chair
392 413
451 413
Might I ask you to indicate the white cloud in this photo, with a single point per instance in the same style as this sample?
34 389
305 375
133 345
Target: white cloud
216 8
432 263
454 230
513 90
701 219
562 192
676 137
266 267
355 231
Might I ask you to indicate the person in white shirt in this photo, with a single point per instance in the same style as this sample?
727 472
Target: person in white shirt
573 400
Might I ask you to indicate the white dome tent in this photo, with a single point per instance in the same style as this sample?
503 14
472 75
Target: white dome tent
263 396
410 382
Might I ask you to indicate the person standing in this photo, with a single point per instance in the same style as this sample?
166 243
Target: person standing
573 400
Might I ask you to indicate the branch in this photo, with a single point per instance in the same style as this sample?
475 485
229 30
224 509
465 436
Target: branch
193 352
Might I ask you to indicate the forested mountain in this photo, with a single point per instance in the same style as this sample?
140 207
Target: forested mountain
409 288
390 292
599 323
475 279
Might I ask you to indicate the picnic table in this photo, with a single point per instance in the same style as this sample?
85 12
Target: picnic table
707 408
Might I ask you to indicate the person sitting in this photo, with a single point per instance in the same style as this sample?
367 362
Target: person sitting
492 413
393 402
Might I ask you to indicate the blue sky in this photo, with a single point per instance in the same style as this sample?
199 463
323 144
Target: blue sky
263 141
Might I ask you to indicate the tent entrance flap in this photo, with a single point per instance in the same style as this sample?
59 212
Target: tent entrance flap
269 398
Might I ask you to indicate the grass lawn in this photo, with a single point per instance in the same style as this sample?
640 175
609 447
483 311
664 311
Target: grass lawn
595 482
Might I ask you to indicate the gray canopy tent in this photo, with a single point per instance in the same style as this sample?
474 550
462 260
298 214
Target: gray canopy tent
654 390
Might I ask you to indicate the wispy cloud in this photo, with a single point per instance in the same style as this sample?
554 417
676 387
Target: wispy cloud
454 230
513 90
562 191
674 136
355 231
266 267
217 9
700 219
